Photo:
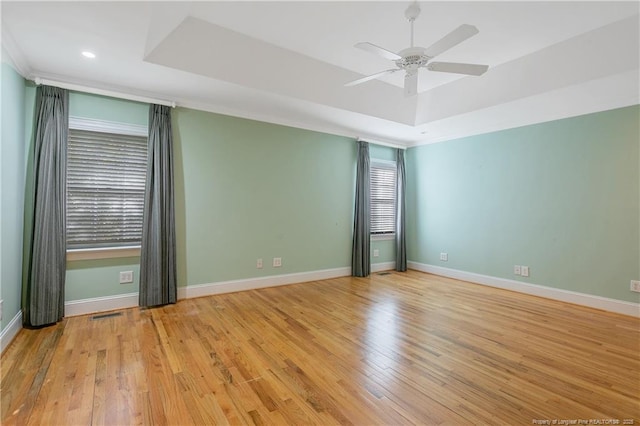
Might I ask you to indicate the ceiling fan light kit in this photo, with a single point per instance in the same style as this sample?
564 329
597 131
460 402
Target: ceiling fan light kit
413 58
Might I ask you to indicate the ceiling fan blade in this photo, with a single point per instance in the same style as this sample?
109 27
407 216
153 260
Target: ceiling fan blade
458 68
377 50
411 84
370 77
455 37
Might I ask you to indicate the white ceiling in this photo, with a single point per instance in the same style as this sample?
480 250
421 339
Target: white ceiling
286 62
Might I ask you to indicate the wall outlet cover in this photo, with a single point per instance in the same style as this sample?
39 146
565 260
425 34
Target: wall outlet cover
516 270
444 257
126 277
277 262
524 271
635 286
259 263
376 252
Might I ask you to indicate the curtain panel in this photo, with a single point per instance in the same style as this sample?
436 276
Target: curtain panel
360 254
45 259
158 248
401 245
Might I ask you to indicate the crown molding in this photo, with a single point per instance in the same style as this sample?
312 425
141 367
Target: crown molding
14 55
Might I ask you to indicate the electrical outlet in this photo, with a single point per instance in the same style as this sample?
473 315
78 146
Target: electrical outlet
126 277
259 263
444 257
277 262
524 271
376 252
1 303
517 270
635 286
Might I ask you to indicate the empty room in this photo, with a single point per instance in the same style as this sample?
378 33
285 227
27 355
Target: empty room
320 212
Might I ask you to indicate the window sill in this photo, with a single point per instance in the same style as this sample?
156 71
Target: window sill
383 237
102 253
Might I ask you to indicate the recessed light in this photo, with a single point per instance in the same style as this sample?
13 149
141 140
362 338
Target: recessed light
88 54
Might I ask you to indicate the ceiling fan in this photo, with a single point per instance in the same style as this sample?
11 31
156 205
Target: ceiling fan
411 59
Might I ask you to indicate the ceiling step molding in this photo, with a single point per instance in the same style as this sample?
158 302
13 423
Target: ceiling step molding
12 54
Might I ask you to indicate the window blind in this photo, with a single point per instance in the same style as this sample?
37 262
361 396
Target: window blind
383 198
105 189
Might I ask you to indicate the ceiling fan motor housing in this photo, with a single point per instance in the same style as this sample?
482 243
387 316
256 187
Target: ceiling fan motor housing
412 58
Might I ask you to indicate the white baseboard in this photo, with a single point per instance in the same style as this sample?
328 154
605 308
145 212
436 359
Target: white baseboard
100 304
598 302
130 300
383 266
261 282
10 331
272 281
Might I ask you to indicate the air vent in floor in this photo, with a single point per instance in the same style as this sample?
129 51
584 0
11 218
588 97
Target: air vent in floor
109 315
384 273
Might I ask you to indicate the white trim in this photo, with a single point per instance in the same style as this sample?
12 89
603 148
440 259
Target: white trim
102 253
382 237
103 92
377 142
100 304
383 266
120 92
260 282
10 331
336 129
384 164
94 125
15 57
130 300
592 301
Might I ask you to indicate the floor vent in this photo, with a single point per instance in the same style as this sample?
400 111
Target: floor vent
384 273
109 315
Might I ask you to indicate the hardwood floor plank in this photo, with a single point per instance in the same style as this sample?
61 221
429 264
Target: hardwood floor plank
402 348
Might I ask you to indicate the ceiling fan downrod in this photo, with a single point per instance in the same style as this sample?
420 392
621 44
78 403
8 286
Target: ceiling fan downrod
412 13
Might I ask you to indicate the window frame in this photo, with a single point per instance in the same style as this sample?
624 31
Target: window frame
383 164
104 126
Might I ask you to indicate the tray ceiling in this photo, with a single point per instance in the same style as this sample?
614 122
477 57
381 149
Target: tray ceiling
286 62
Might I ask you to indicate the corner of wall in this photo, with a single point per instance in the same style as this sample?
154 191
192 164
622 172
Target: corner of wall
10 331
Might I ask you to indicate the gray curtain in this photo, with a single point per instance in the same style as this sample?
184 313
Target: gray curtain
46 257
401 245
158 248
360 254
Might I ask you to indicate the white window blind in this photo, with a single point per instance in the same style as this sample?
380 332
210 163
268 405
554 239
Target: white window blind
105 188
382 177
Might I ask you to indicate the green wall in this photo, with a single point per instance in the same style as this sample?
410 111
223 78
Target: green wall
247 190
105 108
561 197
244 190
13 154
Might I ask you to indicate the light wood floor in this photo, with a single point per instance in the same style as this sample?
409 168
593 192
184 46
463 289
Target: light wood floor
403 348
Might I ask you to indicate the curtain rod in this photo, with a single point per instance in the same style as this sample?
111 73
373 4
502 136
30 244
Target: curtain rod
375 142
103 92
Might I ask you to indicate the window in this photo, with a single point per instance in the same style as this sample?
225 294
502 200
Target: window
106 169
383 197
